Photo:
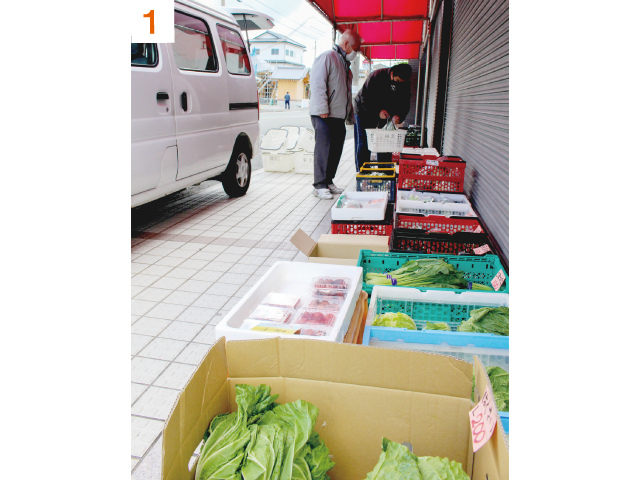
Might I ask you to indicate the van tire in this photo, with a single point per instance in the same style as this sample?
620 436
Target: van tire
237 177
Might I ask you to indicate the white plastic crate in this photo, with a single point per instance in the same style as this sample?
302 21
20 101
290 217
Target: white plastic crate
420 151
307 140
303 163
456 204
388 141
274 140
292 278
278 162
369 214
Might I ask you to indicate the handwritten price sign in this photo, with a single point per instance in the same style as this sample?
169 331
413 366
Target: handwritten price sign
481 250
483 419
151 21
498 280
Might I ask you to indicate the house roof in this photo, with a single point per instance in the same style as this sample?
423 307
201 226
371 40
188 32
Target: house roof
290 73
270 37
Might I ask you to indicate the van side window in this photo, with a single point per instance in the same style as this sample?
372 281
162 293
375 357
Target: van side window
193 48
235 54
144 54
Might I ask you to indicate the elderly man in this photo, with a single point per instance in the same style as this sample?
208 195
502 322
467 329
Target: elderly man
330 107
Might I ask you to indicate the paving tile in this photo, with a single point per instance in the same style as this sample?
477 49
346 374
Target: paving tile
161 251
214 302
231 303
143 280
184 331
195 264
197 315
166 311
204 256
219 288
241 268
180 272
138 342
134 318
261 252
262 269
134 462
169 283
140 307
207 335
172 244
169 261
241 292
147 259
207 276
155 403
195 286
175 376
284 254
138 267
136 391
149 326
218 266
182 298
251 260
224 241
215 248
193 353
271 260
234 278
228 257
238 249
163 349
136 289
217 319
146 370
192 247
180 253
159 270
153 294
253 280
143 433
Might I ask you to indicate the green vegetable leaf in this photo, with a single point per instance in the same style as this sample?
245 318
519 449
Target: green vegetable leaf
318 458
487 320
436 468
499 379
397 320
396 463
262 452
436 326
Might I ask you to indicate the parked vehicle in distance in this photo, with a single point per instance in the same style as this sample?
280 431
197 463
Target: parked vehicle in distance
194 105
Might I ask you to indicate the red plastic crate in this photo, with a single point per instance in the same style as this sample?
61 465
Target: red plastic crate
416 241
439 223
365 227
445 174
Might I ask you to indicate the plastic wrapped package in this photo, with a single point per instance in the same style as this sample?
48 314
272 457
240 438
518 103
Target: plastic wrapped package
281 300
332 286
313 331
271 314
315 317
324 303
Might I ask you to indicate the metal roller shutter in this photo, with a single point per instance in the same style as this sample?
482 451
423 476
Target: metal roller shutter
434 70
476 122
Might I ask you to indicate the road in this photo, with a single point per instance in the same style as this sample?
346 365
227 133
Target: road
280 118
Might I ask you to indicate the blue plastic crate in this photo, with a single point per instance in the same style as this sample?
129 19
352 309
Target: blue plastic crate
504 418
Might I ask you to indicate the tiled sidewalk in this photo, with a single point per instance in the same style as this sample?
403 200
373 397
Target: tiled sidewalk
194 255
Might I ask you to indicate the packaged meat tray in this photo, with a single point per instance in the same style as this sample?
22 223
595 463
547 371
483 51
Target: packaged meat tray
315 317
332 286
271 314
313 331
324 303
281 300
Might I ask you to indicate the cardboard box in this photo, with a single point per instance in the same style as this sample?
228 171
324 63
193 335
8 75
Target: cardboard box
338 249
363 394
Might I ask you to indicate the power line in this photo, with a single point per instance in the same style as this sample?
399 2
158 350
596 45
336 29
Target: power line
286 17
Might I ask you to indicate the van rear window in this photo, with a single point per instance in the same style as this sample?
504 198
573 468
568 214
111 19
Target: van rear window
193 48
144 54
235 53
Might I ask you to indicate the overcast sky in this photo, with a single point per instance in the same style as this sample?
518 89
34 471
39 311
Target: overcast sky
294 18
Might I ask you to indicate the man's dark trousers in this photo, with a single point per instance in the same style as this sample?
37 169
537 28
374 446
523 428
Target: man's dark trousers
330 135
287 105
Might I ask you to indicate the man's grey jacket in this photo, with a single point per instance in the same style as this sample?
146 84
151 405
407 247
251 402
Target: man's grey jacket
331 81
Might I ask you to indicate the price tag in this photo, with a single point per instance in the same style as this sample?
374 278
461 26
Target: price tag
498 280
483 419
481 250
435 163
478 229
151 21
271 329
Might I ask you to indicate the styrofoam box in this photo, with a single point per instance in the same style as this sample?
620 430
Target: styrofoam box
368 214
303 163
493 350
456 204
277 162
293 278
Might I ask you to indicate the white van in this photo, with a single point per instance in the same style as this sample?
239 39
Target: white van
194 105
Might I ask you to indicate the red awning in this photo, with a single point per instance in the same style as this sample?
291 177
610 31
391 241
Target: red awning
390 28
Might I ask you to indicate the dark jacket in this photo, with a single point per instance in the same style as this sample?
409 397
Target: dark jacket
376 95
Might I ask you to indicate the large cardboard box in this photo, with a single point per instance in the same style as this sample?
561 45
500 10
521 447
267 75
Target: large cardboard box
338 249
363 393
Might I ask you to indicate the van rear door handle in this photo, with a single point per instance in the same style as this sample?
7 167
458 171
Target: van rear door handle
183 99
162 96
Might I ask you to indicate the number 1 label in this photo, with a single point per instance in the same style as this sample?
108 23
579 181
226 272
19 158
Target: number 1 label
152 25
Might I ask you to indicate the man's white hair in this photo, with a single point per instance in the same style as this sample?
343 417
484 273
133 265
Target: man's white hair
349 36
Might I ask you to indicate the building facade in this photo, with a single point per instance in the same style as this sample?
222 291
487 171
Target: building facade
273 49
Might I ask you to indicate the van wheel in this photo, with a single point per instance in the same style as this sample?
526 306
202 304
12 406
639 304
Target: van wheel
237 176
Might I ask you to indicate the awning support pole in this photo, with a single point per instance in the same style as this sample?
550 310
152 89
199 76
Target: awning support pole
424 93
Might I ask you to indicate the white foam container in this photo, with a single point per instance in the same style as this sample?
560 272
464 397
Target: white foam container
303 163
457 204
278 162
369 214
293 278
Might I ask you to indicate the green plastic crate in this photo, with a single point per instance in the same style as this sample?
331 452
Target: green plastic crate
476 269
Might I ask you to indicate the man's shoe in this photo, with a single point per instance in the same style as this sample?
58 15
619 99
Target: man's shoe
336 190
323 193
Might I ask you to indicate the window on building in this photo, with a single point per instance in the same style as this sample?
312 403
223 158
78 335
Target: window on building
144 54
257 51
235 53
275 51
193 48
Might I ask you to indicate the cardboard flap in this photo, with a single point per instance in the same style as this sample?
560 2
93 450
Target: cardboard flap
204 396
491 462
363 241
303 242
352 364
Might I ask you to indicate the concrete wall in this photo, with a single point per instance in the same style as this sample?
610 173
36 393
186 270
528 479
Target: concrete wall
294 87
